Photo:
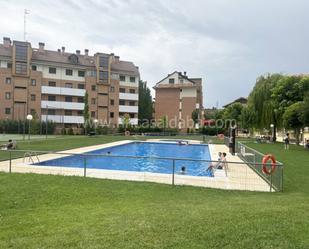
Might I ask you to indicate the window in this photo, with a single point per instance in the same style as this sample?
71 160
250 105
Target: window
112 102
80 113
7 95
111 114
32 97
131 115
51 112
51 83
7 110
112 89
122 78
81 86
81 73
132 79
69 72
21 68
103 76
103 61
33 67
68 113
8 80
51 98
132 103
91 73
68 99
80 99
33 82
171 81
52 70
132 90
122 90
122 102
9 65
93 114
21 52
93 87
68 85
93 101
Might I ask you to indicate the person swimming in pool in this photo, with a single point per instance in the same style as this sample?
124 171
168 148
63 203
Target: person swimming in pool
183 170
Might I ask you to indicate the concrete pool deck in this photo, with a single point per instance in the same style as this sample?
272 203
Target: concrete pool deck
239 175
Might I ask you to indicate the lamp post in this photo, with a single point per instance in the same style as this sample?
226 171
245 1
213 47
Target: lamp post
95 126
272 131
301 136
29 118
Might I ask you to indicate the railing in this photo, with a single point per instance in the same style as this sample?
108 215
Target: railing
241 175
254 158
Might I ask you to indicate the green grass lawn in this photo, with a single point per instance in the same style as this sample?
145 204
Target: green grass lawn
41 211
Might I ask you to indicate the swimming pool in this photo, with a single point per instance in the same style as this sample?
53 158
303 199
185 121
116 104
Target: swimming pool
144 149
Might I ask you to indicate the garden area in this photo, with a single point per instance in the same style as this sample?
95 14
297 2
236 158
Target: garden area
75 212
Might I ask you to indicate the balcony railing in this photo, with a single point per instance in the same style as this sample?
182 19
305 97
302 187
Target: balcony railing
62 105
63 91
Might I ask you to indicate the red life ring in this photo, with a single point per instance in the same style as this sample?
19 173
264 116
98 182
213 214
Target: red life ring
266 158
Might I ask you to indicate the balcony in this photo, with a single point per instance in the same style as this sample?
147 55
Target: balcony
63 91
62 105
133 121
64 119
128 109
128 96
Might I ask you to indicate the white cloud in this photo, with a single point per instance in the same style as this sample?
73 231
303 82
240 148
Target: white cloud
228 43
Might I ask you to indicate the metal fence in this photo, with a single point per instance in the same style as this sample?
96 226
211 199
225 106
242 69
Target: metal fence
236 174
254 158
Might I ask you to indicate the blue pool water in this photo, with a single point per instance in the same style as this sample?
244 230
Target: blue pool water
141 164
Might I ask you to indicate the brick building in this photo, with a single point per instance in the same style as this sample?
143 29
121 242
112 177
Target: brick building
177 96
51 85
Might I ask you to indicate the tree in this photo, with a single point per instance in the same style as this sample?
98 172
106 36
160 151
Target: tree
292 118
86 112
126 121
144 102
305 111
247 118
263 105
195 116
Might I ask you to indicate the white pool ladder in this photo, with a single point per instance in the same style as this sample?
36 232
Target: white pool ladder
30 155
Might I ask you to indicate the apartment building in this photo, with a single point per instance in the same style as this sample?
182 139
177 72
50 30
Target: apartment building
51 85
177 96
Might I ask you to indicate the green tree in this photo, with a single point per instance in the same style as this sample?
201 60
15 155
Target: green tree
195 116
263 105
247 118
293 119
126 121
144 102
86 113
305 111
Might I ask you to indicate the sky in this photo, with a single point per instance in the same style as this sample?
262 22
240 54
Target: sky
226 43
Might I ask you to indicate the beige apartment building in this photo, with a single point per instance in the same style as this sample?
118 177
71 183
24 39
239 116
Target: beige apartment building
177 96
51 85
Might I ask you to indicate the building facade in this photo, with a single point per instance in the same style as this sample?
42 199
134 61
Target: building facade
51 85
177 96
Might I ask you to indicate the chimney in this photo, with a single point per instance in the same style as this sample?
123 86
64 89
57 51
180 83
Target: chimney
63 49
86 51
59 50
117 58
6 42
185 73
78 52
41 46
